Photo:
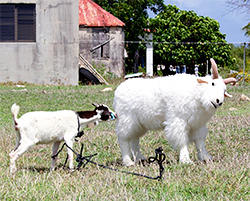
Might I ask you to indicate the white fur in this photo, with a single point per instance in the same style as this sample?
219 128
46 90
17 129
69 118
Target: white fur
44 127
179 104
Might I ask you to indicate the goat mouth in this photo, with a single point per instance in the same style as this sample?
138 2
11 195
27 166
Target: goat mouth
214 105
113 116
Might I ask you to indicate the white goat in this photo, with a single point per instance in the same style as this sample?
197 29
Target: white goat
44 127
181 105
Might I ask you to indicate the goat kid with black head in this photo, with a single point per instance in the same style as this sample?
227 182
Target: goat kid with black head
44 127
102 111
181 105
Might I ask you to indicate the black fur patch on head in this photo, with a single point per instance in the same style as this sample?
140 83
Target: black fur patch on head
105 116
102 107
105 112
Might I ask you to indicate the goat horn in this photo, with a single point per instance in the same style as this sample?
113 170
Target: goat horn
95 105
214 69
229 80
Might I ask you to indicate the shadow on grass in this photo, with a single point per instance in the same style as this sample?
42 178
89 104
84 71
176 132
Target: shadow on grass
40 170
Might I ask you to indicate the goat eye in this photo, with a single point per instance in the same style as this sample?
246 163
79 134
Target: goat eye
212 83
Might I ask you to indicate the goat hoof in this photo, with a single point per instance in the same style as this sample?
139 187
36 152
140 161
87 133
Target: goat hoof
143 162
71 170
128 163
13 171
186 162
208 160
52 169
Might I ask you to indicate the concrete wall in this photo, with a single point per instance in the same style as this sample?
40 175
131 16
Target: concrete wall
115 63
53 58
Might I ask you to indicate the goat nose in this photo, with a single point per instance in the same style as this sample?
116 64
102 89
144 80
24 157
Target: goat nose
218 102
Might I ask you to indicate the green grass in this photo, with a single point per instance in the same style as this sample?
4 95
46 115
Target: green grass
225 179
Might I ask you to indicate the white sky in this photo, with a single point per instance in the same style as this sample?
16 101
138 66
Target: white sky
231 23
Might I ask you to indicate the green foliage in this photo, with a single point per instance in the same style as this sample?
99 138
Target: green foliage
173 26
237 53
247 29
133 13
173 29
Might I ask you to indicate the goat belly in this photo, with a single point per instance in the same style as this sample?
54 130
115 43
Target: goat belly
46 127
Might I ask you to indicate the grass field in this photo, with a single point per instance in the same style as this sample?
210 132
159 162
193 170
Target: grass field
227 178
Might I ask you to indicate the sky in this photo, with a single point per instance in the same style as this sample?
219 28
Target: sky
231 23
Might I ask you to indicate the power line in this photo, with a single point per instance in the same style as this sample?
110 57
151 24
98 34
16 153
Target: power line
172 42
187 43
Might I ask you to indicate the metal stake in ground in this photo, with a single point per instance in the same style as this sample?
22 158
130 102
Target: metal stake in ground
159 158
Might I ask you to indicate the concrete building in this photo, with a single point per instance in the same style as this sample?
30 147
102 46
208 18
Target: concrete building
39 41
101 38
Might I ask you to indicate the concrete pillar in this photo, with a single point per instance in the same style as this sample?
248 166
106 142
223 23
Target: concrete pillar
149 56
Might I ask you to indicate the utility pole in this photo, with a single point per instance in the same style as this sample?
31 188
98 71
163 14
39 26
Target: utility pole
244 62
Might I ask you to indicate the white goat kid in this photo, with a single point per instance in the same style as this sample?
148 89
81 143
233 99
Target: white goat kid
180 104
44 127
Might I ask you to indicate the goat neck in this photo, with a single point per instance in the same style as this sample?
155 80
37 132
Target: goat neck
86 114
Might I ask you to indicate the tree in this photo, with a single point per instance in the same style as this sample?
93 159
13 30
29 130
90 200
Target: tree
247 29
237 53
182 37
134 13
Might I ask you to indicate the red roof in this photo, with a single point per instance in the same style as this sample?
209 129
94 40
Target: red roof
90 14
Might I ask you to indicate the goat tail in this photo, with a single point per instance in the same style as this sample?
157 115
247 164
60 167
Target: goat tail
14 111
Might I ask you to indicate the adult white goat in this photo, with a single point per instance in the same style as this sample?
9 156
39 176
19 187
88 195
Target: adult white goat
44 127
181 105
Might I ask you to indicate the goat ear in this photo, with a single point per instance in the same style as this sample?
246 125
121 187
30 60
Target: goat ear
200 81
227 95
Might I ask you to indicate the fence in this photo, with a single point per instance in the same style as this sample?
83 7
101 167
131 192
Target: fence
242 55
